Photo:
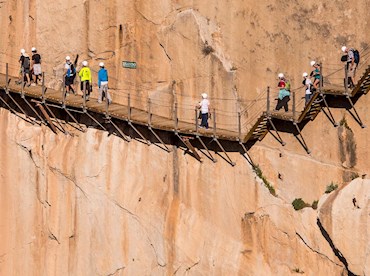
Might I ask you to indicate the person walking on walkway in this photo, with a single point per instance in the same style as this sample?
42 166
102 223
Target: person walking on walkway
284 95
21 59
36 65
69 75
103 84
307 85
204 106
352 62
316 74
86 79
26 69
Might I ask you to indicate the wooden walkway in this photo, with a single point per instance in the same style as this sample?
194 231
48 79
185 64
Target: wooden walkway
263 124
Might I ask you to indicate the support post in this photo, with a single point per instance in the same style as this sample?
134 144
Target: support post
196 120
239 126
47 117
7 78
22 83
357 117
149 112
302 141
294 107
64 93
43 87
84 99
277 133
268 101
129 107
346 78
176 118
214 124
106 102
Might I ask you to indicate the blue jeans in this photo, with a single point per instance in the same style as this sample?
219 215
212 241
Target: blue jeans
204 122
307 98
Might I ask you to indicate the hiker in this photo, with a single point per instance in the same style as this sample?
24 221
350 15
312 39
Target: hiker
103 84
353 58
283 97
316 74
86 80
307 85
36 65
26 69
204 107
69 76
21 59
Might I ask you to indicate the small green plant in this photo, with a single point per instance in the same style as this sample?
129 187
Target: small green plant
259 173
299 204
314 204
331 187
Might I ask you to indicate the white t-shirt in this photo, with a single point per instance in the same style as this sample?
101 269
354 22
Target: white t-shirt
308 83
204 106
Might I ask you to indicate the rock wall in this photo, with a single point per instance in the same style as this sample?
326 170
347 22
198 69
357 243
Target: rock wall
92 204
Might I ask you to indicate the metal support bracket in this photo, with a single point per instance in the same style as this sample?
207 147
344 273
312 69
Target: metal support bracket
205 147
278 138
127 138
138 132
15 112
355 116
329 114
232 163
56 119
248 157
80 128
189 146
21 109
159 139
34 111
47 117
301 139
96 121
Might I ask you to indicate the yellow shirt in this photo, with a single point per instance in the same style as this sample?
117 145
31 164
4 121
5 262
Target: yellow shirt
85 74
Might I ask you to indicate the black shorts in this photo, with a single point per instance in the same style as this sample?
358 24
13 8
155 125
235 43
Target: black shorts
69 80
26 70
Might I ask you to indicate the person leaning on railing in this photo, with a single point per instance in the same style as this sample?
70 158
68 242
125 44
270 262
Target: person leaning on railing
284 94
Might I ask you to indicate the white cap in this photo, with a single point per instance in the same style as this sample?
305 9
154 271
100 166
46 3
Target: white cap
68 58
281 75
344 48
204 95
304 74
33 49
101 64
312 62
84 63
23 51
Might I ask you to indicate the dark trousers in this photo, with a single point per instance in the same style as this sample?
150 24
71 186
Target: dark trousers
204 122
307 98
283 103
88 89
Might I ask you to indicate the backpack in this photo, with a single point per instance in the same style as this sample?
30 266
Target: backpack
356 55
26 62
287 85
73 70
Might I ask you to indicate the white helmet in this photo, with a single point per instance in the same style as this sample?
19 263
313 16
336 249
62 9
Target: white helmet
101 64
344 48
281 75
204 95
313 63
84 63
68 58
33 49
23 51
304 74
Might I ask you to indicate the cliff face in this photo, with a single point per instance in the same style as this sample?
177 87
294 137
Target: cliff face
92 204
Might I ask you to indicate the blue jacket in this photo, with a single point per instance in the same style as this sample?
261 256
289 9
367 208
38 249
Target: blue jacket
102 75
